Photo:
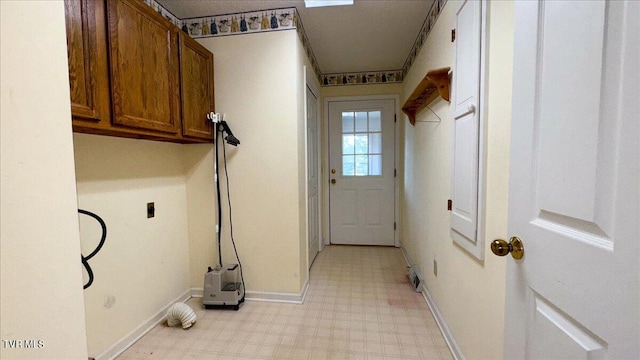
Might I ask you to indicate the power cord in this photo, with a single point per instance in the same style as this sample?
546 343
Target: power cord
226 175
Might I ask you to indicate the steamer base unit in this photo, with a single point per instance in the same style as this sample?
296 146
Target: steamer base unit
223 287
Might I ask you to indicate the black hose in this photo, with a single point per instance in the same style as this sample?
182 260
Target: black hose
85 259
220 129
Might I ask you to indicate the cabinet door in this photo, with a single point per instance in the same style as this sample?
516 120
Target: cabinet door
144 67
87 52
468 109
196 75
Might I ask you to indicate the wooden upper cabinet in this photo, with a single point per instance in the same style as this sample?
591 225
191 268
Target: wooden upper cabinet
145 91
198 99
88 72
132 73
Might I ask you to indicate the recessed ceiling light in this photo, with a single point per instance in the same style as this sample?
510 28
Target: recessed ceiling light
320 3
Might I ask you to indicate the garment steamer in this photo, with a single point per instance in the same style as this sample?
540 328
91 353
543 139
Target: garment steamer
223 284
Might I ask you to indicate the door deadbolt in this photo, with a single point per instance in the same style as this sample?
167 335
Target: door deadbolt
514 246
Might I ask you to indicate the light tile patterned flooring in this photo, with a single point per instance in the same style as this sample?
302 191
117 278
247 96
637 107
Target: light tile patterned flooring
359 306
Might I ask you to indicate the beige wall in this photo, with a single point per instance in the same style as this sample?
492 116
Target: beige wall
201 210
469 293
144 264
41 280
256 87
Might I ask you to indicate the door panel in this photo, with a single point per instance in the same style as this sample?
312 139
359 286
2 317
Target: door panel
361 162
568 135
464 191
144 67
87 53
346 201
374 206
555 335
574 196
467 76
197 88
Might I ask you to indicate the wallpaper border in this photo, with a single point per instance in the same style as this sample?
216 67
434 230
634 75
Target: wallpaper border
280 19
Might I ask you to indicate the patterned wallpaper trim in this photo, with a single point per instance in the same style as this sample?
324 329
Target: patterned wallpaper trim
289 19
251 22
237 23
362 78
164 12
427 26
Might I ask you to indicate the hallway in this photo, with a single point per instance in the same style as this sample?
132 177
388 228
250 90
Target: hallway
359 306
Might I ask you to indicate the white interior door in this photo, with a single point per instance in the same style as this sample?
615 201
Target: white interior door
574 185
313 169
361 163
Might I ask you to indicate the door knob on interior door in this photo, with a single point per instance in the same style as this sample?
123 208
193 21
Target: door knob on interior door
333 181
514 246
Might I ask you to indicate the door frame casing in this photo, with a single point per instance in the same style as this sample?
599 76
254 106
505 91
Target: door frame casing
325 163
308 82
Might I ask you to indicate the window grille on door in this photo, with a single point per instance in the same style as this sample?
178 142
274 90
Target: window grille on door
361 143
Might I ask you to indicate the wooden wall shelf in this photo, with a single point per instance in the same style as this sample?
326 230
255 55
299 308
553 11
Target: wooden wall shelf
435 83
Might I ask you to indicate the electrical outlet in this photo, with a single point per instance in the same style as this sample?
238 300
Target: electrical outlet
151 210
435 268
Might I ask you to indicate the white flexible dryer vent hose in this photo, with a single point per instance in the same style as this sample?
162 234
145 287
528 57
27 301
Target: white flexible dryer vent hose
181 313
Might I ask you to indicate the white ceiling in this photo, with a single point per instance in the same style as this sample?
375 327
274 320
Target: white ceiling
371 35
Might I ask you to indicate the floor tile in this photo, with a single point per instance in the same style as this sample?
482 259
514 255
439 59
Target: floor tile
359 305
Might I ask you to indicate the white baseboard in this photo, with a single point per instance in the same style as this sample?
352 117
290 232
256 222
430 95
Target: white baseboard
290 298
123 344
455 349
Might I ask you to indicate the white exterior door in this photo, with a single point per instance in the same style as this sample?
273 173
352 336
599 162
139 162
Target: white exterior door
361 163
313 166
574 182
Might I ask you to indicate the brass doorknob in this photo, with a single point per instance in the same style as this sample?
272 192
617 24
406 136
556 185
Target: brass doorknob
514 246
333 181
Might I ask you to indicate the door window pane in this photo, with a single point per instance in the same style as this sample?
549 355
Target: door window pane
347 122
374 121
362 165
361 121
375 143
348 142
375 165
362 144
348 168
